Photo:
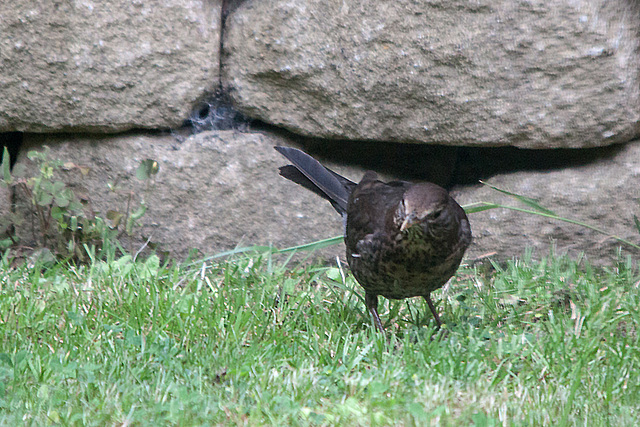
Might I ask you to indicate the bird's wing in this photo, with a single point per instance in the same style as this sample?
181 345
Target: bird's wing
370 208
309 173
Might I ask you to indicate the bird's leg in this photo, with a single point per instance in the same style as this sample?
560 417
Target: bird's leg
427 297
372 304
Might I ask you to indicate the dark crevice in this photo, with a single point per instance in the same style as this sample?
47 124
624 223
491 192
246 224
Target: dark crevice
13 142
449 166
216 111
475 163
228 6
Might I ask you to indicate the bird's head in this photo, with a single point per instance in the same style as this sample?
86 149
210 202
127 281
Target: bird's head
423 204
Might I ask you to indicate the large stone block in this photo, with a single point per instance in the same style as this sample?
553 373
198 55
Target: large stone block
105 66
214 190
602 193
217 190
534 74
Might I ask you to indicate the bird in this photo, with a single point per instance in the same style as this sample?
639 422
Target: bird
402 239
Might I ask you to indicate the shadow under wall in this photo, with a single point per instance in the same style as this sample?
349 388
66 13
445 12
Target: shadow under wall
450 166
444 165
447 166
12 141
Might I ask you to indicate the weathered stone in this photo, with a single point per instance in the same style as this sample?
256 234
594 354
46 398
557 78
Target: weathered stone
534 74
105 66
604 194
220 189
214 191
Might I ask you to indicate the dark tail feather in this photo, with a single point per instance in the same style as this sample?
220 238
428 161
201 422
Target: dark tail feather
293 174
309 173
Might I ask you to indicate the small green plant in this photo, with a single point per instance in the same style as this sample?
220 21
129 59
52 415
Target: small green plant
62 221
146 171
56 207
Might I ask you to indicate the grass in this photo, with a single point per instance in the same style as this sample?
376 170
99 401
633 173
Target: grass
249 341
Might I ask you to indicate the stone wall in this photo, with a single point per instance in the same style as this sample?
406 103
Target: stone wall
534 75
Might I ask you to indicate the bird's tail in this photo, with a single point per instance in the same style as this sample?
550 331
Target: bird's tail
309 173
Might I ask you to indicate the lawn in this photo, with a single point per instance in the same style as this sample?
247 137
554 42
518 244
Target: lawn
252 341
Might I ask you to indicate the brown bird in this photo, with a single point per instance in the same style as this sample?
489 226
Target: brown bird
403 240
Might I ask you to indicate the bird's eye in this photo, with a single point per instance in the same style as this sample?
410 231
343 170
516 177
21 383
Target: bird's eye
437 214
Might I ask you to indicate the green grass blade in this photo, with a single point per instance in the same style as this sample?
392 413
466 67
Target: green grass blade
483 206
479 207
318 244
526 200
261 249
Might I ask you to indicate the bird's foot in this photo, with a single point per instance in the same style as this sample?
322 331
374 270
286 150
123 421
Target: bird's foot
372 305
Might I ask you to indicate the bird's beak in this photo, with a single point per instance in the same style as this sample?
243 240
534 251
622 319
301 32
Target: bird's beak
408 222
412 218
